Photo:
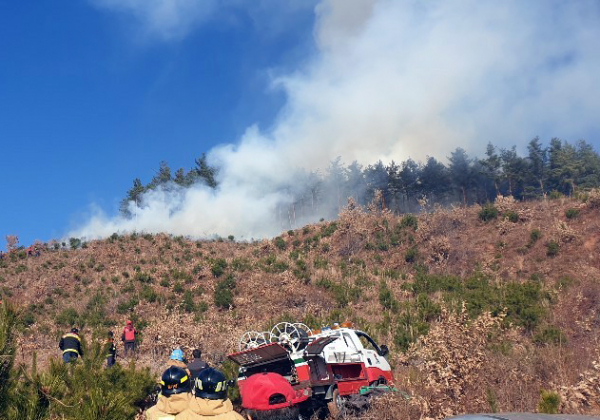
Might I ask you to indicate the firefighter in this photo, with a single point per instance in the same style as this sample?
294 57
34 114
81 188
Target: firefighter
129 338
177 359
196 365
70 344
209 401
175 395
111 350
269 396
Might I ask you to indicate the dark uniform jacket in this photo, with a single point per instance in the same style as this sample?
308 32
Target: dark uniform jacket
111 349
196 366
71 342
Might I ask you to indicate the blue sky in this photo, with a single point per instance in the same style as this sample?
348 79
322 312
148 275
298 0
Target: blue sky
94 93
88 103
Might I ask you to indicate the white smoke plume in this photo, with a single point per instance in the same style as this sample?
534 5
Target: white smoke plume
394 79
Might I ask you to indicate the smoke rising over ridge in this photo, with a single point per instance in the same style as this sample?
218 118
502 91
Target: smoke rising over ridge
392 80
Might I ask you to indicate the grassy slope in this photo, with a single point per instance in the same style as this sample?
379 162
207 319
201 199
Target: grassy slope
328 272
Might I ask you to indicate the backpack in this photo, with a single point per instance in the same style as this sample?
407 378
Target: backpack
129 334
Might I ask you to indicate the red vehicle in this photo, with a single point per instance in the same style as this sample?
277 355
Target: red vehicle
332 366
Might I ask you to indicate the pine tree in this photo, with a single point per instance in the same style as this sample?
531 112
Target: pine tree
435 182
491 167
460 172
537 168
376 178
514 169
356 184
205 172
134 195
162 177
180 178
7 353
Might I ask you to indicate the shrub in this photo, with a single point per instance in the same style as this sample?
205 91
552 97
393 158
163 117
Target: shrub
224 292
571 213
74 243
342 293
280 243
197 269
68 317
511 216
409 221
178 288
535 235
218 267
549 335
411 254
188 302
127 306
488 212
321 263
181 275
241 264
149 294
27 318
223 298
552 248
301 271
329 229
270 264
554 195
143 278
386 298
549 402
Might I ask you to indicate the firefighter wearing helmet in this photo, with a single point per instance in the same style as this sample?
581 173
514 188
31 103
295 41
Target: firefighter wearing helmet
175 395
210 401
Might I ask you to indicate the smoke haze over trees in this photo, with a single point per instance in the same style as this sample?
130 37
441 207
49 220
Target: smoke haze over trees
559 168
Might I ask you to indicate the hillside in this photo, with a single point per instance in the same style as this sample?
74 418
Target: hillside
481 308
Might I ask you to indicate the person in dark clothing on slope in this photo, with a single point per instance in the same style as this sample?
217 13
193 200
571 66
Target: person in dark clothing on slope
70 344
197 365
111 350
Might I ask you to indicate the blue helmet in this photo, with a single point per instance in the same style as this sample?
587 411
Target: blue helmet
177 354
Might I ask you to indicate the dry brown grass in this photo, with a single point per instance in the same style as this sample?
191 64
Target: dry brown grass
461 366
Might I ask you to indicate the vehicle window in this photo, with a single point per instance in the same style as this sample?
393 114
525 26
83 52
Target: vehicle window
367 341
367 344
350 342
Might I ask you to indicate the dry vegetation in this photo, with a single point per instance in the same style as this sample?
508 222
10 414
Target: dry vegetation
482 311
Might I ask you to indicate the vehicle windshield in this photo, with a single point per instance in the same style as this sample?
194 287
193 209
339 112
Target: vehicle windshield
367 342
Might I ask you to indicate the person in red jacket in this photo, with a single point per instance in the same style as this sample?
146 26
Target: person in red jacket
129 338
